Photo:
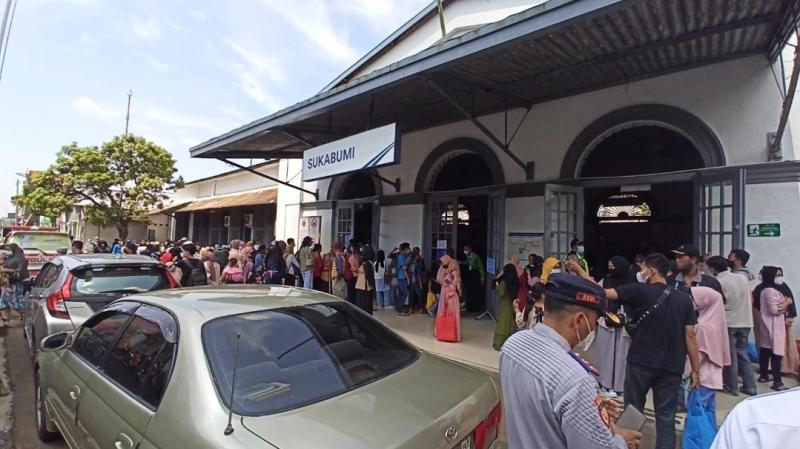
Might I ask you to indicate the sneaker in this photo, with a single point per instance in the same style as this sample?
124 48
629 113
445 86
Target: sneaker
764 379
778 387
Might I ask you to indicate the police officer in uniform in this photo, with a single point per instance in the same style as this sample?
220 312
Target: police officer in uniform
550 394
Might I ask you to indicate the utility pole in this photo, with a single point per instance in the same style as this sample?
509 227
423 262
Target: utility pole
128 114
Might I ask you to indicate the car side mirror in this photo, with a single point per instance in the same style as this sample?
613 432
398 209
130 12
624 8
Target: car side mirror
54 342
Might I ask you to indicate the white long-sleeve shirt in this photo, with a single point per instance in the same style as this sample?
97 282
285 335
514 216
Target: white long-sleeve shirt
763 422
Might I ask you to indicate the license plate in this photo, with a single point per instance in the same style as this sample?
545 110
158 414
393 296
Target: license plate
466 443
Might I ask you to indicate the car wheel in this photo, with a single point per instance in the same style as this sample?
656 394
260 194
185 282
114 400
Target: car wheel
42 419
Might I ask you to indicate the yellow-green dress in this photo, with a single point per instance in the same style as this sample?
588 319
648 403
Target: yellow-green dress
505 317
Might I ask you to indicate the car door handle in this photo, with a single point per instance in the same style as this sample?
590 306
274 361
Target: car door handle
74 392
123 442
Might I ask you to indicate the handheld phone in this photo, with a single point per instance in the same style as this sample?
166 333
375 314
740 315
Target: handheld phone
631 418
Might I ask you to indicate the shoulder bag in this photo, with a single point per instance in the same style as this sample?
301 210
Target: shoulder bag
632 326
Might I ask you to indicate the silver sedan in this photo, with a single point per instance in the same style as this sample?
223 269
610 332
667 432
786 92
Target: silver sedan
301 369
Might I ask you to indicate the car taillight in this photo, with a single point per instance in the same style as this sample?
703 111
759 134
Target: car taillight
486 432
172 282
55 302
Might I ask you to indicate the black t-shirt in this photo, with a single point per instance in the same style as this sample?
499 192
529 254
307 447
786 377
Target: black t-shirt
660 341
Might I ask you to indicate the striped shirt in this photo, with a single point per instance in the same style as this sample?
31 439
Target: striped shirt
551 401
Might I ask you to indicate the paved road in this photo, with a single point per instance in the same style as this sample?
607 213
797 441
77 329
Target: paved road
20 370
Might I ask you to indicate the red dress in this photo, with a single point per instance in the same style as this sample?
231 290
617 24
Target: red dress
524 288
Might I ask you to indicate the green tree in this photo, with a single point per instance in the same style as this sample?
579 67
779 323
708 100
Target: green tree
120 181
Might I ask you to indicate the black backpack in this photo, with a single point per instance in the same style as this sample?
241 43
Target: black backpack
198 275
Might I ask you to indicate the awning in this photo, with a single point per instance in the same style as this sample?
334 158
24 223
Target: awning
553 50
251 198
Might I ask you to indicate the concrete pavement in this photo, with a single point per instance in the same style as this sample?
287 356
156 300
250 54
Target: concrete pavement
16 410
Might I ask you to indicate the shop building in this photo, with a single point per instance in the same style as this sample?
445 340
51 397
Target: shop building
636 125
238 204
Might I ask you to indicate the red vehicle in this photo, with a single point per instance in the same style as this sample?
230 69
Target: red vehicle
40 244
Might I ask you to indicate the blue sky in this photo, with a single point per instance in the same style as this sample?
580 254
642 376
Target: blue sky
197 68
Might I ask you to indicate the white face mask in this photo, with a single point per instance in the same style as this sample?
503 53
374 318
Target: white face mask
778 280
555 271
580 249
584 344
641 277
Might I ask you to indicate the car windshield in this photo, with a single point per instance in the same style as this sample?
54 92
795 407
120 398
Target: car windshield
45 241
116 279
292 357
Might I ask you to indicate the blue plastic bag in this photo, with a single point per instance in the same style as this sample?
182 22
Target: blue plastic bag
752 352
701 421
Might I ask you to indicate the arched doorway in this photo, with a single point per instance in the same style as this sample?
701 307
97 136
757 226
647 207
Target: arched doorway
357 210
638 219
463 209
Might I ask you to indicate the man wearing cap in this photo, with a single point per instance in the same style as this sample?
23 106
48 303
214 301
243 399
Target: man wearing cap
687 259
550 394
579 248
664 318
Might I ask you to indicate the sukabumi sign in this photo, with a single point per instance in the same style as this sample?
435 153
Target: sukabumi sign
370 149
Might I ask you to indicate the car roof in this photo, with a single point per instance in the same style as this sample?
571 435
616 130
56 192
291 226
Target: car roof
212 302
74 260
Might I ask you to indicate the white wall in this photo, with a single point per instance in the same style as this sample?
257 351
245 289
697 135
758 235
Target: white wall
160 223
239 181
401 224
457 14
775 203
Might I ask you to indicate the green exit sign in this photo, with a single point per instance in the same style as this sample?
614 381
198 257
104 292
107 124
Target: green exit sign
764 230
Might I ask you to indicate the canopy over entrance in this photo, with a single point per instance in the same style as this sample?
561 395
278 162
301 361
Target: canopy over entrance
556 49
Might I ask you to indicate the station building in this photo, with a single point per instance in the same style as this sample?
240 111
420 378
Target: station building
635 125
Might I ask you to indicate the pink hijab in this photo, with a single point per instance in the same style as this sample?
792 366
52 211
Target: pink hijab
711 330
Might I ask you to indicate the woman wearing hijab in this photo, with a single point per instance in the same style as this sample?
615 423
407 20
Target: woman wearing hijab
508 292
612 343
16 267
382 288
711 333
551 265
769 325
449 277
365 287
791 361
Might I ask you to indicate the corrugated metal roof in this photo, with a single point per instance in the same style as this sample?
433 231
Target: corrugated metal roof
250 198
553 50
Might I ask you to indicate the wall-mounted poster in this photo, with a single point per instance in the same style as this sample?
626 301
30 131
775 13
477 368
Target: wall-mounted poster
525 243
311 227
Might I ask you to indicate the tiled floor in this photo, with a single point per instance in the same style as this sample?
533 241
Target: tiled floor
475 347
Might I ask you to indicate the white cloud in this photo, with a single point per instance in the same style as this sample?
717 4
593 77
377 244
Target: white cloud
198 14
89 106
147 29
260 63
157 117
154 62
313 20
257 72
383 16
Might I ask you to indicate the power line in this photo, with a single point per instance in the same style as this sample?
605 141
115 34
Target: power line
7 35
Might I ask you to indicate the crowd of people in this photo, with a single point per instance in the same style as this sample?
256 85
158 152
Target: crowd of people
678 327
